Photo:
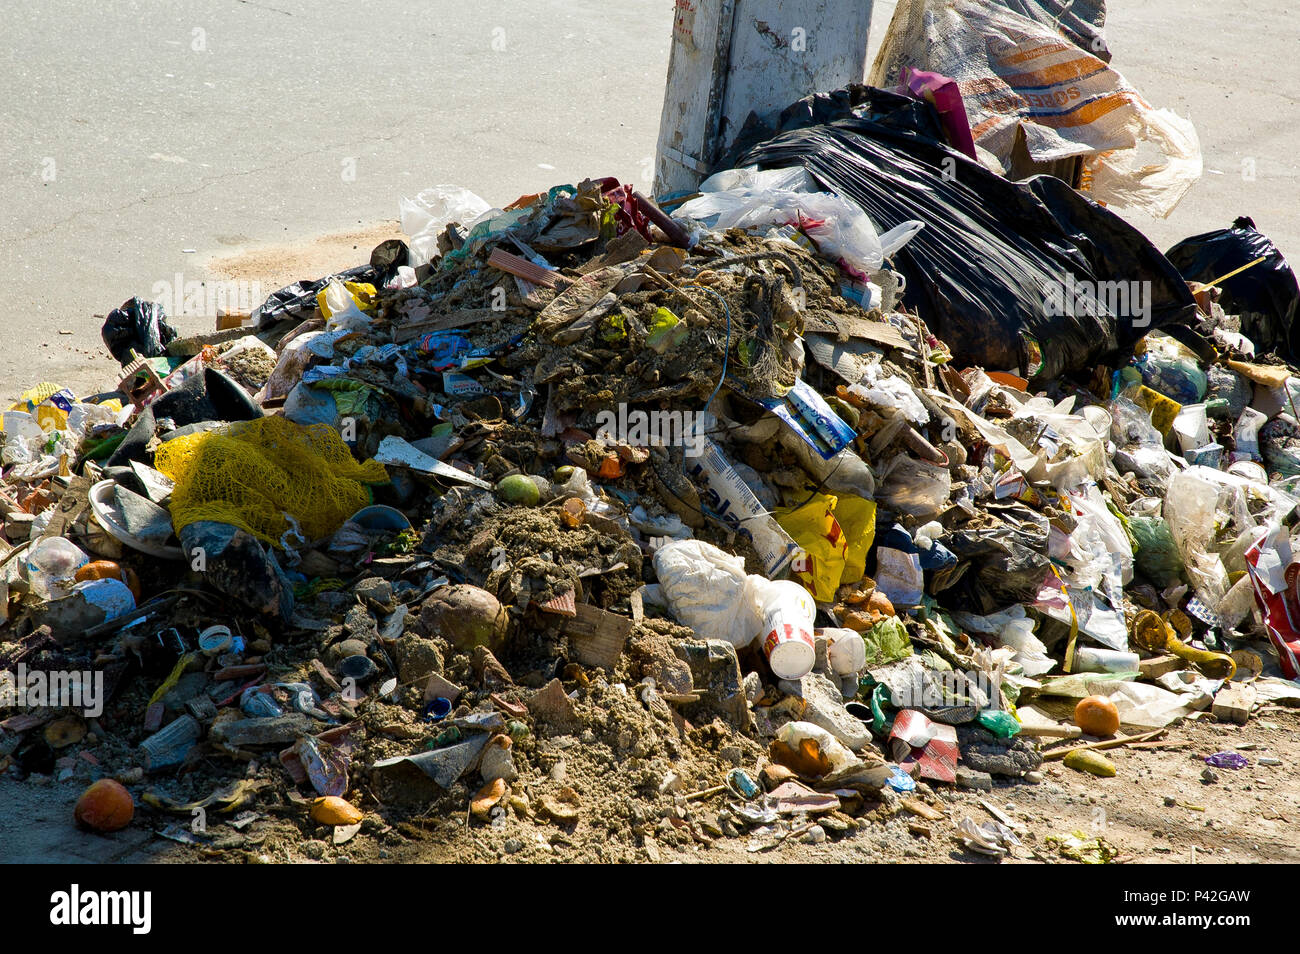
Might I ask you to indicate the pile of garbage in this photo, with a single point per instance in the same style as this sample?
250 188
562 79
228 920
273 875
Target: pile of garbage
761 513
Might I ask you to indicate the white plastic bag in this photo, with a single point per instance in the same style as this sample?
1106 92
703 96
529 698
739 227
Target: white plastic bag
883 389
23 438
1141 704
425 216
900 235
83 417
344 313
1015 630
793 179
708 590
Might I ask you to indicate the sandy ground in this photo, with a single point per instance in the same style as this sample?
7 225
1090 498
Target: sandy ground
279 264
1246 816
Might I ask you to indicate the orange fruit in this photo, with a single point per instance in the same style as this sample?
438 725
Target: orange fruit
105 806
1097 716
332 810
108 570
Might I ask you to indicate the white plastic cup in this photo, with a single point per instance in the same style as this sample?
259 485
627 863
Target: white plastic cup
1191 427
788 610
1099 420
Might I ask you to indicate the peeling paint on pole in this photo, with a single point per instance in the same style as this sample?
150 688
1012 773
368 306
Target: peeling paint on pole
731 57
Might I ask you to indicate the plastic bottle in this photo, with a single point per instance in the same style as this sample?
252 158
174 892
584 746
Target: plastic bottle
1089 659
1237 604
170 745
787 611
52 567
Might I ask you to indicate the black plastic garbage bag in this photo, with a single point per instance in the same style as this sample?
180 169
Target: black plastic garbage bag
1027 276
1009 559
1266 296
210 396
237 564
298 300
139 326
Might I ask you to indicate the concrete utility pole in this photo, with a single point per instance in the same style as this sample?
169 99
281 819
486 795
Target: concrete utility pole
733 56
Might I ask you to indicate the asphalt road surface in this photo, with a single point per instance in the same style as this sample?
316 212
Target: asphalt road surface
140 140
134 131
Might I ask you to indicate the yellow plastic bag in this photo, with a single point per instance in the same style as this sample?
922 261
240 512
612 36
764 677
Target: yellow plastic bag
48 404
857 518
363 295
252 474
813 526
1163 409
835 534
36 394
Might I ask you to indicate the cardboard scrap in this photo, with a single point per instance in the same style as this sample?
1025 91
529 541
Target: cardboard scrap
597 637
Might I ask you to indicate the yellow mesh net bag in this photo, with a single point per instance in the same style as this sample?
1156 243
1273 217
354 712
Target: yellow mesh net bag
252 473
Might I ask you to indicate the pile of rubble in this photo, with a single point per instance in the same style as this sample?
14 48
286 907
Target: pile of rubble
578 520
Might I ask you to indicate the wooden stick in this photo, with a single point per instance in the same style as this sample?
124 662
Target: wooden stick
1000 815
1236 271
1051 731
1104 744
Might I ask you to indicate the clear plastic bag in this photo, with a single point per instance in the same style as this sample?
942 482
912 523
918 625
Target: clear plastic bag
914 487
1099 546
840 229
52 565
431 211
1191 507
1138 445
1172 369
